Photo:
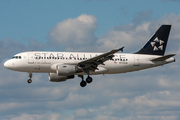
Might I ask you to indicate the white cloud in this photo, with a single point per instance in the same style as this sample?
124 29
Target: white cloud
75 32
9 47
52 116
134 36
125 36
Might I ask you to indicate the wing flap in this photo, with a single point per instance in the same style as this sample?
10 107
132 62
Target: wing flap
102 57
97 60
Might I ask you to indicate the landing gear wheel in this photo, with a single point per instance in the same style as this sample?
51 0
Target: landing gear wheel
30 76
83 83
89 79
29 81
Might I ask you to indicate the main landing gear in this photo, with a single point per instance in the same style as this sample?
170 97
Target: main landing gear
30 76
88 80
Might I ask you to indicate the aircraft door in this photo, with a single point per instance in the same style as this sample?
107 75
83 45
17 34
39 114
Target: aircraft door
30 58
136 60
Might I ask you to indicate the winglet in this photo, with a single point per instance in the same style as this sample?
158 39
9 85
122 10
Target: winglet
121 49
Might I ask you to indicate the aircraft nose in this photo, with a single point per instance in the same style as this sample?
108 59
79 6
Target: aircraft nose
7 64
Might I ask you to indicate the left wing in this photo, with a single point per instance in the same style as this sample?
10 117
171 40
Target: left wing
92 63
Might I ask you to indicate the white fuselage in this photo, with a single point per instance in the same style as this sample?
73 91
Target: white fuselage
44 62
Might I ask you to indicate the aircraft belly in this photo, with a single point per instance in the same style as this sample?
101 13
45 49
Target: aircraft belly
119 67
36 68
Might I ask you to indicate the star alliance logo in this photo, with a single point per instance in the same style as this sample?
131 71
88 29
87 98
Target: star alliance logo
157 44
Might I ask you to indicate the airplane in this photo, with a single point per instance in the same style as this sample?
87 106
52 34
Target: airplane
63 66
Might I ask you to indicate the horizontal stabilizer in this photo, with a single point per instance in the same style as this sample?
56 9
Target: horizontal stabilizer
163 58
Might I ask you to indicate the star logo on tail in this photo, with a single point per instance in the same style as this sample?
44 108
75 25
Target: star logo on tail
157 44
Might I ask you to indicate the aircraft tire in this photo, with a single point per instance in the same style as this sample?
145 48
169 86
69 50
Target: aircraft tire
29 81
89 79
83 83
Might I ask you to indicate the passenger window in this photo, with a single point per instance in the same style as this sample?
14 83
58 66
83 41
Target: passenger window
19 57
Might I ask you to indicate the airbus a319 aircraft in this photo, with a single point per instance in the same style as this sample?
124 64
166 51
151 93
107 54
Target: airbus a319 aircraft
62 66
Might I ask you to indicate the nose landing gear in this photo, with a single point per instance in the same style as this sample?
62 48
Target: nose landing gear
29 81
30 76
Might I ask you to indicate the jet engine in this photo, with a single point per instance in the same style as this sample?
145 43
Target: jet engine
67 70
53 77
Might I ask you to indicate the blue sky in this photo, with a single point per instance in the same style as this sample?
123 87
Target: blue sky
25 19
88 25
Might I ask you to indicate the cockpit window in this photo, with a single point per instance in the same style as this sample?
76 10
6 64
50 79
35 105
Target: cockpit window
16 57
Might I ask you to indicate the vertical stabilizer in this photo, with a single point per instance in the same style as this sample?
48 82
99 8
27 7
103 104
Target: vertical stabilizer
157 44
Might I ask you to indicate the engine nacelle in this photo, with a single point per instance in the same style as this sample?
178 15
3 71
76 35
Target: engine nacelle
67 70
53 77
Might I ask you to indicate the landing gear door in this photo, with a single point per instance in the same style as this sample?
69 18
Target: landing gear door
136 60
30 58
